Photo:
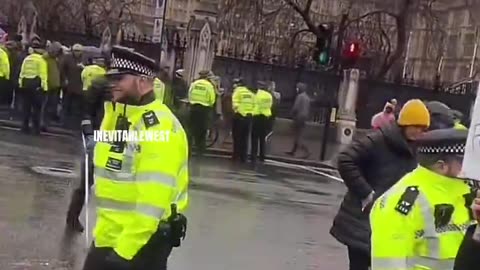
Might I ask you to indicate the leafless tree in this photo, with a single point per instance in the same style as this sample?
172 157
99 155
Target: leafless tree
90 16
256 27
383 28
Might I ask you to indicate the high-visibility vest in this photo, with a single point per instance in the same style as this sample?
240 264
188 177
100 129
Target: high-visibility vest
459 126
159 89
202 92
420 222
90 73
136 184
243 101
263 103
34 66
4 64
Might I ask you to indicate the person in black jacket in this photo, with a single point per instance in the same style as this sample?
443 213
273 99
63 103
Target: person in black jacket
369 167
467 257
92 114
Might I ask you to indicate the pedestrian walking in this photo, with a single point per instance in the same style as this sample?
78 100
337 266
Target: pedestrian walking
369 167
432 200
201 98
33 81
243 104
384 117
261 121
300 113
141 187
96 97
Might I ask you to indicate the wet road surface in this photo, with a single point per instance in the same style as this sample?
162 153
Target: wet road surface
268 217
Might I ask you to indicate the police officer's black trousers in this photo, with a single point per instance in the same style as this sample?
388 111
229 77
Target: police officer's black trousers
32 108
260 129
152 256
240 132
6 91
198 126
78 197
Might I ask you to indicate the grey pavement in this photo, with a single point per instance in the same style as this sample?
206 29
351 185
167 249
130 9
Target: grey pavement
240 217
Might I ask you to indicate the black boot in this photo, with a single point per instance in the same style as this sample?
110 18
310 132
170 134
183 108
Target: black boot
74 210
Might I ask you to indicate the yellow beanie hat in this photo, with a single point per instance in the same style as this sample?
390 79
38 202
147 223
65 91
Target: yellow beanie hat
414 113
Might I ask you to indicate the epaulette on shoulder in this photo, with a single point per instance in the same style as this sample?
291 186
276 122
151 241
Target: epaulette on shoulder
407 200
150 119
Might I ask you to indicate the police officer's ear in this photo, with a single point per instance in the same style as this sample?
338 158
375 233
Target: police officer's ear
442 167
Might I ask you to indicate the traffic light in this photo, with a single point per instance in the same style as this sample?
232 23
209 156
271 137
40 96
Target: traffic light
321 53
351 54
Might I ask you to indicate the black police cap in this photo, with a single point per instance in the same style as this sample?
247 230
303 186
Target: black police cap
125 60
443 141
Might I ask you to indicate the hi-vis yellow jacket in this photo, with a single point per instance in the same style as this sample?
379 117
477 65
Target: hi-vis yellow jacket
420 222
243 101
136 183
34 66
202 92
263 103
90 73
4 64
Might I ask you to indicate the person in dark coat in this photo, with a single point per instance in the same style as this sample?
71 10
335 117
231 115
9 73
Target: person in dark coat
369 167
92 114
467 256
441 115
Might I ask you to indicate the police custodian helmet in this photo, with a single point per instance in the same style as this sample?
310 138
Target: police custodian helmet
124 60
443 142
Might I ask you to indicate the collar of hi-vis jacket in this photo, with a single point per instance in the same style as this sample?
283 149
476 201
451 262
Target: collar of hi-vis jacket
434 179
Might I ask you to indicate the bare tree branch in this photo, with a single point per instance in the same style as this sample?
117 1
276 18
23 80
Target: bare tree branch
368 14
294 37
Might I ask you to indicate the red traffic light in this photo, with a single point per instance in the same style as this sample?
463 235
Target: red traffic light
353 47
352 50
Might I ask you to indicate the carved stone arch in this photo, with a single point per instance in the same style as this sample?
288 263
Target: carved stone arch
205 36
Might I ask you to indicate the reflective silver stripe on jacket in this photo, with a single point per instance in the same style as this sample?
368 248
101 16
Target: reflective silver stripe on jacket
411 263
146 209
161 178
430 234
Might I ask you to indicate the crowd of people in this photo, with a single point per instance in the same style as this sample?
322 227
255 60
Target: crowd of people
47 83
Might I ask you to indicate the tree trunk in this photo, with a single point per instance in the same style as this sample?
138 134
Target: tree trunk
338 48
401 22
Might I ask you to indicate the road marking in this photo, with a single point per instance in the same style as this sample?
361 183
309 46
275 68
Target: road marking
42 133
318 171
315 171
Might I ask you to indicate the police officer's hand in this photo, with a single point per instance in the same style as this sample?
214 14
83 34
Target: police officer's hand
114 261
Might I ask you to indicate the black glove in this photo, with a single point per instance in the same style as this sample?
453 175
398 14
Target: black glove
178 227
115 262
87 128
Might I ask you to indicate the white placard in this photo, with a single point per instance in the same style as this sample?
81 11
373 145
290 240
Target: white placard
471 161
